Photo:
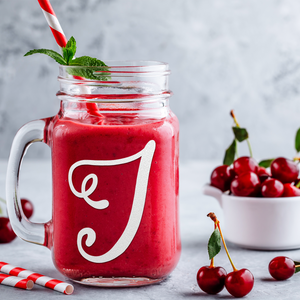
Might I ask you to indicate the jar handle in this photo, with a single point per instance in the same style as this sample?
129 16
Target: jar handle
37 233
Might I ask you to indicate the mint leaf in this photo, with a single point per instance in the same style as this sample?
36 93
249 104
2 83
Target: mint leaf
53 54
214 244
230 154
240 134
78 66
70 50
85 61
297 141
266 163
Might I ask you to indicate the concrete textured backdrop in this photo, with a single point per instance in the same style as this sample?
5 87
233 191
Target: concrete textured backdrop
233 54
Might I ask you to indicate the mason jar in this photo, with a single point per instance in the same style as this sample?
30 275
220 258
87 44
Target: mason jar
114 148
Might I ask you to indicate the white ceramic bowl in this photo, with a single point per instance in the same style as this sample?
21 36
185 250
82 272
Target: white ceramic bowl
259 223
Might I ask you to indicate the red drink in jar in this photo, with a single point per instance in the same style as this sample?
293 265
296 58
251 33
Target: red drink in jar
115 177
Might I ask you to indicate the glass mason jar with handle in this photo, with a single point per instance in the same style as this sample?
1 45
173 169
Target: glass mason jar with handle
114 149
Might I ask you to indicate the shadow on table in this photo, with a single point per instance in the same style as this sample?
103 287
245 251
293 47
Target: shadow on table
204 295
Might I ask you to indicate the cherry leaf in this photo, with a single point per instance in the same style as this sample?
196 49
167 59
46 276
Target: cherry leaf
266 163
297 269
214 243
297 141
240 134
230 154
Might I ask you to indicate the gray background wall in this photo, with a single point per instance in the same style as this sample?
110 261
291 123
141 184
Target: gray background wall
233 54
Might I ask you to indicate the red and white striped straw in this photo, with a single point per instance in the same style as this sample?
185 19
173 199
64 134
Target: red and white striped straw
21 283
53 23
61 41
39 279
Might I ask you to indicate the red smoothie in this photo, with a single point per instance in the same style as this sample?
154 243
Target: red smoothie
99 168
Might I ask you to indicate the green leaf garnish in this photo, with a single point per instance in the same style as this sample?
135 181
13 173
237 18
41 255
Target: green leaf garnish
53 54
297 264
78 64
89 72
297 141
70 50
214 243
266 163
240 134
230 154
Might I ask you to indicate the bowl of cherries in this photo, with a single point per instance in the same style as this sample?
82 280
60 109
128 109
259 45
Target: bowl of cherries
260 201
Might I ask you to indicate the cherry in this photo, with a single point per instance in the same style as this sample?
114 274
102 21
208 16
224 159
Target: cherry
263 177
246 184
285 170
211 280
6 232
221 177
281 268
290 190
245 164
27 207
272 188
239 283
262 171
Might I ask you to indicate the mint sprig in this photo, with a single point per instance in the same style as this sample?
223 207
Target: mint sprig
77 65
53 54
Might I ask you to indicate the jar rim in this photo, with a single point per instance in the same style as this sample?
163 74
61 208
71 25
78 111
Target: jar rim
117 81
127 68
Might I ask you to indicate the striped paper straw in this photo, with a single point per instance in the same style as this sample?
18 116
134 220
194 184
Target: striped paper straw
53 23
21 283
39 279
61 41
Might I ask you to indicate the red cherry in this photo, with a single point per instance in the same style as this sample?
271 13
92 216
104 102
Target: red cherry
262 174
239 283
262 171
285 170
211 280
272 188
221 177
6 232
27 207
290 190
246 185
245 164
263 177
281 268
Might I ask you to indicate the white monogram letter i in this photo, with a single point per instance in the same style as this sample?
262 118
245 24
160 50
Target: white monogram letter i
138 204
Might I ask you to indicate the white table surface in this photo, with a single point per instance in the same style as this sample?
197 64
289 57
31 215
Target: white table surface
35 184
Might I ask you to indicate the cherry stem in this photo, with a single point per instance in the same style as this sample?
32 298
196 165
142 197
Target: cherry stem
296 159
297 266
1 200
298 185
217 223
238 125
